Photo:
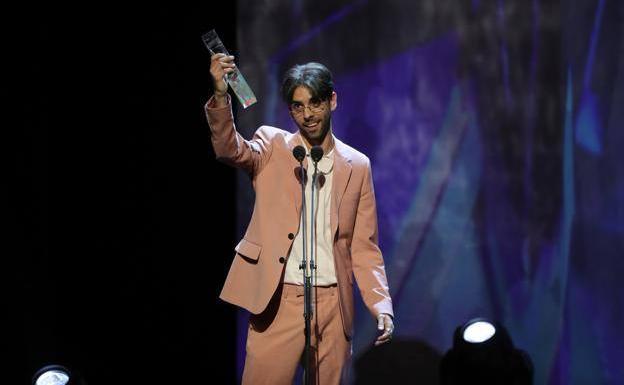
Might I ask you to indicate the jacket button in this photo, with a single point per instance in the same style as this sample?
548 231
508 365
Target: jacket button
281 259
291 236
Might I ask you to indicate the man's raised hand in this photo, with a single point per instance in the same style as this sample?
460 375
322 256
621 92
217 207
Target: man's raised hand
220 65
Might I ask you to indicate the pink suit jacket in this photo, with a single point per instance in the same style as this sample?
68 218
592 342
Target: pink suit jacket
260 256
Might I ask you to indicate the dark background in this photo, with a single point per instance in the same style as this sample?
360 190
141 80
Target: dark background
123 217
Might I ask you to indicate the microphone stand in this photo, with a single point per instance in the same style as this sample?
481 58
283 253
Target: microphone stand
307 282
310 272
316 154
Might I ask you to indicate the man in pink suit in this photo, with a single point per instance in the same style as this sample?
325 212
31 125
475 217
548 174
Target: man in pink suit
265 277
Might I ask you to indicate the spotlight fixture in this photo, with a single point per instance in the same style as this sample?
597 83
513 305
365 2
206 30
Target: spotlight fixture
483 353
51 375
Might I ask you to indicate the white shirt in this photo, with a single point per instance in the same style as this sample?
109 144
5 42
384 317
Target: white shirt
325 273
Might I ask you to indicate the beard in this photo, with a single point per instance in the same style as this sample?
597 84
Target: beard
315 130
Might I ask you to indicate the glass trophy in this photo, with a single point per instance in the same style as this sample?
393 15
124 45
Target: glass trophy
235 79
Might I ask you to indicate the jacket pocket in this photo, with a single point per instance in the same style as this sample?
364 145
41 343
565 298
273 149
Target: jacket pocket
248 250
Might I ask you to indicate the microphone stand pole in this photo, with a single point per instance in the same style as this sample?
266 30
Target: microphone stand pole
307 283
307 275
308 280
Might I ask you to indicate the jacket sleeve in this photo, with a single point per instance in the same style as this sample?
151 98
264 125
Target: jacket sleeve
367 260
229 146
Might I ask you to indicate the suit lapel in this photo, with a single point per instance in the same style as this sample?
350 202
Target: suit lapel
295 185
340 180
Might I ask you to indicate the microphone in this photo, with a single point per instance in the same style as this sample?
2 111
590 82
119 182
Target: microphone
316 153
299 153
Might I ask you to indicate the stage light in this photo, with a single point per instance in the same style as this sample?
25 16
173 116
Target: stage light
52 375
483 353
478 331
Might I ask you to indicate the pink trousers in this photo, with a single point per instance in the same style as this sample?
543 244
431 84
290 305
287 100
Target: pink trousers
276 339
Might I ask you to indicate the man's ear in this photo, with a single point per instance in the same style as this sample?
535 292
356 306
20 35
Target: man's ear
333 101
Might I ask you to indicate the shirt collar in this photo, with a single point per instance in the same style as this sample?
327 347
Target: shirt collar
326 164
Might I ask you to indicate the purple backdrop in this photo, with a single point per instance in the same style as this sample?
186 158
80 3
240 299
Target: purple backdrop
495 140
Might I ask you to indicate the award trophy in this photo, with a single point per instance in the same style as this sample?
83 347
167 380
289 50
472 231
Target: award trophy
235 79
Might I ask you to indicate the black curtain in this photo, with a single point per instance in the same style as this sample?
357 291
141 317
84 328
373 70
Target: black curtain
123 219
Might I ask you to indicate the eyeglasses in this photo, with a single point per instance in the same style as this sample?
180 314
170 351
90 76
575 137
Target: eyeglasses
314 107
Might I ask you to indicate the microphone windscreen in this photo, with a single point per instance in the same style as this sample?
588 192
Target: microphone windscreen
316 153
299 153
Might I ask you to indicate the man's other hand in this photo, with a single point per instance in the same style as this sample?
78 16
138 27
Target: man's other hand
385 326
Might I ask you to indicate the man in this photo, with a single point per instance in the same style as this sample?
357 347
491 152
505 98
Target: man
265 277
